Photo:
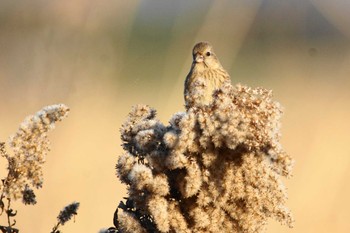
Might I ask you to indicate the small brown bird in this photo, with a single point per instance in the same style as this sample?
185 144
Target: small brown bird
205 67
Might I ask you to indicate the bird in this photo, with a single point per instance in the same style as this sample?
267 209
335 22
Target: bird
207 68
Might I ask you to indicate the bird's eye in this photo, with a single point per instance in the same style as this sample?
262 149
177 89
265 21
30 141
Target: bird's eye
208 54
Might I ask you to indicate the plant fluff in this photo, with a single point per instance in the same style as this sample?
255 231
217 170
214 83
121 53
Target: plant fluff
29 145
214 168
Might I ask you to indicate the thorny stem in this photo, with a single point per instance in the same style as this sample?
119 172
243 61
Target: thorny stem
8 210
2 203
3 153
8 213
55 228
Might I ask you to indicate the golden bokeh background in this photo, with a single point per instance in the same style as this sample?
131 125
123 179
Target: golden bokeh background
102 57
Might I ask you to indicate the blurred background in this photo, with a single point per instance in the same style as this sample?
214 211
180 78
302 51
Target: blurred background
102 57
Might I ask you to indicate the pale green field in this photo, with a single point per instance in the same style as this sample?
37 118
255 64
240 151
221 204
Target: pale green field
102 57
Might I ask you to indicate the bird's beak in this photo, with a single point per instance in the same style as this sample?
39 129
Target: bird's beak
199 58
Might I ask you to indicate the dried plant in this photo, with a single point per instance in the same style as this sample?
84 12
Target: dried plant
214 168
65 215
29 145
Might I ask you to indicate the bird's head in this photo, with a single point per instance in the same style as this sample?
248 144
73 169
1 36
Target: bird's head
204 56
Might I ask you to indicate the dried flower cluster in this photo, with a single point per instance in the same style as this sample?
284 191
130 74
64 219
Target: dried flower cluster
29 145
68 212
65 215
215 168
